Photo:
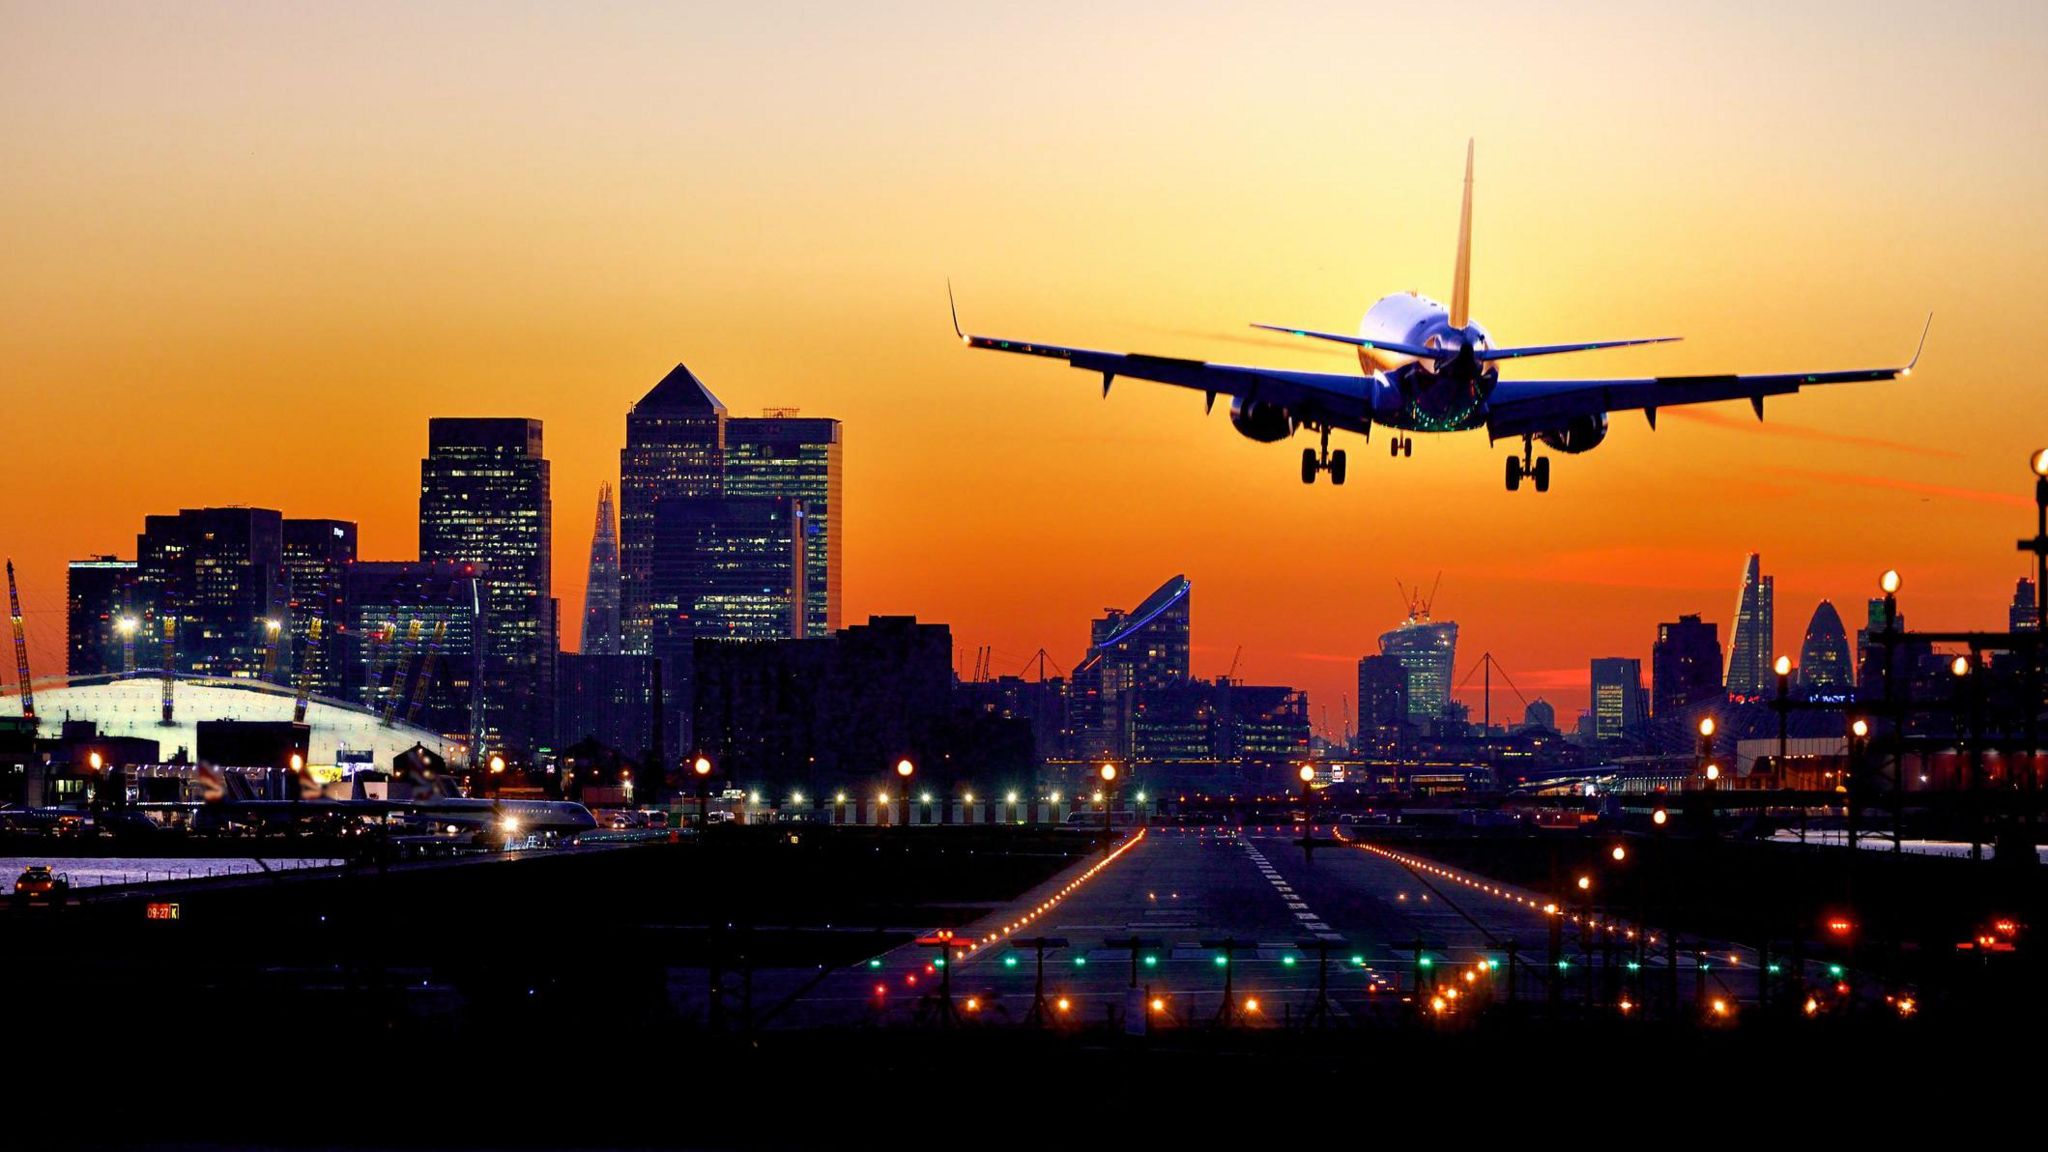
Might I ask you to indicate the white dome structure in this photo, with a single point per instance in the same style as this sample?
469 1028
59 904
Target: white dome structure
133 706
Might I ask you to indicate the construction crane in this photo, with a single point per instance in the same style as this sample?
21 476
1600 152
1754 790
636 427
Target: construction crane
28 693
419 687
305 677
170 666
1231 676
399 667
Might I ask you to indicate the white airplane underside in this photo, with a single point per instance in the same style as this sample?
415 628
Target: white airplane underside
1426 367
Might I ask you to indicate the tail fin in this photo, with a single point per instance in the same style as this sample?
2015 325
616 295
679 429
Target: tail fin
1461 281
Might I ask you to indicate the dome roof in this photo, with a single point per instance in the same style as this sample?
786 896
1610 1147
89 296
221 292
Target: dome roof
133 706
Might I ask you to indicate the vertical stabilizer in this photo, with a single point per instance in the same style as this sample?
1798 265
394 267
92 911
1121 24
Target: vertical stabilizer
1461 281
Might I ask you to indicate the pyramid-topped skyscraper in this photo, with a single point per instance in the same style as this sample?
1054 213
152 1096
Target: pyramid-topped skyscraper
675 447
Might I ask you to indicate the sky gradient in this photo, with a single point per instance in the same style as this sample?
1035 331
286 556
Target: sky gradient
246 252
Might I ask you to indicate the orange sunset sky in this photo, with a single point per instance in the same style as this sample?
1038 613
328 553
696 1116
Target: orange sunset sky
247 250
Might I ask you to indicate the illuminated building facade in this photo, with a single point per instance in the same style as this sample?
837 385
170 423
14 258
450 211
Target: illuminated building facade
601 590
317 554
411 630
1825 665
485 500
215 576
785 456
1427 651
1751 648
1618 705
98 594
1132 652
675 448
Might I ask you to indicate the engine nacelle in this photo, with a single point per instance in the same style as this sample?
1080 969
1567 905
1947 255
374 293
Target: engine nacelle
1262 422
1581 435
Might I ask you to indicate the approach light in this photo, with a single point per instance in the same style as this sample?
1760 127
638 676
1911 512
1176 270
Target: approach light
1011 798
1620 853
1659 817
1784 666
1889 582
1585 883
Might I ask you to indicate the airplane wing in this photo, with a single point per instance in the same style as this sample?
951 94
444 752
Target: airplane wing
1341 400
1523 407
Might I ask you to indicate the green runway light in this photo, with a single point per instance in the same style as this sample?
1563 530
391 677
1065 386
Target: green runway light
1151 961
1563 964
1358 960
1634 967
940 962
1287 960
1080 961
1009 961
874 963
1835 970
1774 969
1426 962
1221 960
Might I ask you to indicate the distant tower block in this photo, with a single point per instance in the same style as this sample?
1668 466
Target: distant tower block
601 594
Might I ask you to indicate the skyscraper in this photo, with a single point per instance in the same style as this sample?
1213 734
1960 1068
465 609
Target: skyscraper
1428 652
1128 653
782 455
484 500
2025 613
675 447
1750 653
317 554
99 595
215 578
1382 704
1685 665
722 568
1825 666
1618 712
601 593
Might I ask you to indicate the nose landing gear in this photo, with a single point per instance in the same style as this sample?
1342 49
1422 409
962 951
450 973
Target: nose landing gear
1536 468
1313 461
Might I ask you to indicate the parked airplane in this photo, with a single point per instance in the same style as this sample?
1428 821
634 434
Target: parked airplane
1429 368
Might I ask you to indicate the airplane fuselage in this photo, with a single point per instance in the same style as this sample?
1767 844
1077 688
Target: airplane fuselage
1417 395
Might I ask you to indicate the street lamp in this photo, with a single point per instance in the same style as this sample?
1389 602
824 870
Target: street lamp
1108 774
701 769
904 770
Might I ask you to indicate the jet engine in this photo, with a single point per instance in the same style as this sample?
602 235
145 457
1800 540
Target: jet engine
1581 435
1262 422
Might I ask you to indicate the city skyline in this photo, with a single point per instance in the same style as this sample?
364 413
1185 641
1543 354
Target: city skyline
605 258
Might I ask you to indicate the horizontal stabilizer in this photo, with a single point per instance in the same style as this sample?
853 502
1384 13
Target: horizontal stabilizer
1362 342
1556 349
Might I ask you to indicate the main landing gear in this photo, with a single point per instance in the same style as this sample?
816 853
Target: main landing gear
1536 468
1313 462
1401 446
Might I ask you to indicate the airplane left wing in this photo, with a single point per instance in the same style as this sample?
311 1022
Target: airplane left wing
1339 400
1524 407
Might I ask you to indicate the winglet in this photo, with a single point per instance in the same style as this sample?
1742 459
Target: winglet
1921 347
955 308
1461 279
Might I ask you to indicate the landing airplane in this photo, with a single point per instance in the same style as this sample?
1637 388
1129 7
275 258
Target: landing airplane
1429 368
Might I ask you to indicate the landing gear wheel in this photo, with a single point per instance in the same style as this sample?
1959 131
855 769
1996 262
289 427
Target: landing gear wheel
1337 466
1394 446
1309 467
1543 473
1514 473
1407 446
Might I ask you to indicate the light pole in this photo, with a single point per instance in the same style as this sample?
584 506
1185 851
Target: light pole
1108 774
1307 775
1966 724
700 770
904 771
1894 709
